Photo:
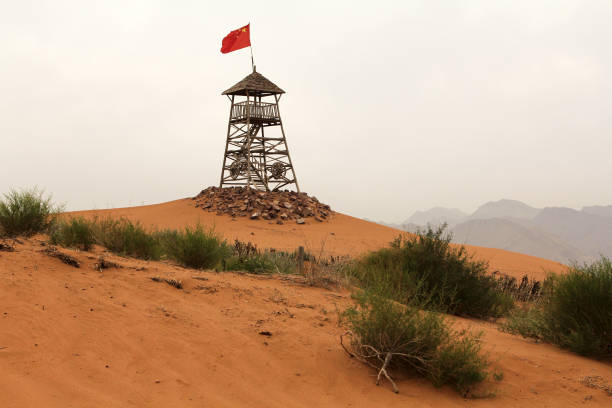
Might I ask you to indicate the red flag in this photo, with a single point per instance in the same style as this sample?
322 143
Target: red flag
237 39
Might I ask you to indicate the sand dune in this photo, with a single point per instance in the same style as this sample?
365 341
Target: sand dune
84 338
342 235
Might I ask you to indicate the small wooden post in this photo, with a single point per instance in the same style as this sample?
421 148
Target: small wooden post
300 259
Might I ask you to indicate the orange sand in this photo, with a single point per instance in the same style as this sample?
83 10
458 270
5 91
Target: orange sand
83 338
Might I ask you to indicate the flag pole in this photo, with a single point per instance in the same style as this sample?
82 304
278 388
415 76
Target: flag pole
252 60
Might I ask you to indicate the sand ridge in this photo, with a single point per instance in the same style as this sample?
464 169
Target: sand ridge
340 235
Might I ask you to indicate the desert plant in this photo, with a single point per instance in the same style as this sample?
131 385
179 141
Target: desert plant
576 313
254 263
442 276
195 247
26 212
528 321
247 257
579 312
389 335
77 232
125 237
528 290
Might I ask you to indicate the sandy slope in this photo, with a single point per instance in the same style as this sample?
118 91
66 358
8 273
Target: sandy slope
83 338
342 235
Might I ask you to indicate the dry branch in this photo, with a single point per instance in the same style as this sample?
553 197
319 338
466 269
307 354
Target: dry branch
65 258
365 358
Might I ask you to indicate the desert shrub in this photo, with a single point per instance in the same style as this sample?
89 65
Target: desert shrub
442 276
575 314
389 335
125 237
77 232
528 290
26 212
254 263
579 312
284 262
194 247
528 321
460 362
247 257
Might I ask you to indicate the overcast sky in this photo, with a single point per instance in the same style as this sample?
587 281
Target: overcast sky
391 107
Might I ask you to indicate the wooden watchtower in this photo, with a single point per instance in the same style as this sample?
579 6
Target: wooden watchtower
256 153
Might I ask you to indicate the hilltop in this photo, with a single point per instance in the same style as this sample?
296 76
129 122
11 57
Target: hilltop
340 235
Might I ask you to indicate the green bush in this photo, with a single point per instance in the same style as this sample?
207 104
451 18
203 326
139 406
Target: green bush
26 212
459 361
263 262
78 233
528 321
124 237
576 314
439 275
417 341
580 309
255 263
194 247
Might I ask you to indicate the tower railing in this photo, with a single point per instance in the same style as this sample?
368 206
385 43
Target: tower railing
256 110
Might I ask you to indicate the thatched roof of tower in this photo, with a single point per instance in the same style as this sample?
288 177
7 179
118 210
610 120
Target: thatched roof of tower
256 84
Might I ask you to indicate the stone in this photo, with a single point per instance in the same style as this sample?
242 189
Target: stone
300 221
267 205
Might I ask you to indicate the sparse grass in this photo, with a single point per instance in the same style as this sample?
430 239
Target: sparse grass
528 321
247 257
389 335
576 314
120 236
255 263
26 212
440 276
194 247
76 233
125 237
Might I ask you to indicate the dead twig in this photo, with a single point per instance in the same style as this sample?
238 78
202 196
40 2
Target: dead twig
65 258
6 247
383 370
104 263
172 282
365 358
597 382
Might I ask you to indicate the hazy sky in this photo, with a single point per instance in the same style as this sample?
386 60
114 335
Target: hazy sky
391 107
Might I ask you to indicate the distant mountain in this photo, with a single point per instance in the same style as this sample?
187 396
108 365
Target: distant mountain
590 233
503 209
557 233
437 216
409 227
601 210
514 235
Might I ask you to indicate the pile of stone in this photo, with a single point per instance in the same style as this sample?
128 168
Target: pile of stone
281 206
